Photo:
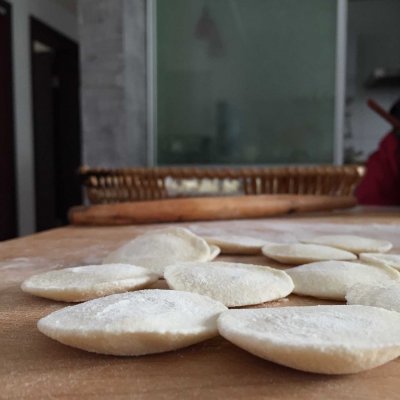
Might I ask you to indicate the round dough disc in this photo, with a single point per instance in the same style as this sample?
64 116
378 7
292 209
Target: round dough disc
388 260
135 323
331 279
232 284
322 339
88 282
387 296
155 250
298 253
355 244
236 244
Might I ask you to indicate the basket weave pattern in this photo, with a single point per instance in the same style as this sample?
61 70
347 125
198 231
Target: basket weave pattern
138 184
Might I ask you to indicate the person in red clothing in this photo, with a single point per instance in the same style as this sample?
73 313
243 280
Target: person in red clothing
381 183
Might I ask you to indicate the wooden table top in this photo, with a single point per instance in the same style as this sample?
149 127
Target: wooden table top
34 366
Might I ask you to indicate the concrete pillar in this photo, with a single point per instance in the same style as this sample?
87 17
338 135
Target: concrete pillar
112 36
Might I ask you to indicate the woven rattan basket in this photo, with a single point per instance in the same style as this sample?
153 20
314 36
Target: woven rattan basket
137 184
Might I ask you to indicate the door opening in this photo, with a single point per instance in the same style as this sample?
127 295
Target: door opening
8 215
56 120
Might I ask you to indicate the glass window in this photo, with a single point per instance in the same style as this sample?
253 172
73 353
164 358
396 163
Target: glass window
245 81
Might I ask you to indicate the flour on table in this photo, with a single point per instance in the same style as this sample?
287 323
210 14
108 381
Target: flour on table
273 230
352 243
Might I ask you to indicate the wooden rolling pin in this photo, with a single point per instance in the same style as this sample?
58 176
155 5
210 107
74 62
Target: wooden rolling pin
204 209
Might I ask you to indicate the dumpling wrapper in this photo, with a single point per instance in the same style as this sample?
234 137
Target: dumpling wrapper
135 323
352 243
331 279
233 284
236 244
299 253
321 339
384 296
155 250
379 259
88 282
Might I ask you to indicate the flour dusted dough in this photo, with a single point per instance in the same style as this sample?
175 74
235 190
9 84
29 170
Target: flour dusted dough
236 244
322 339
214 252
232 284
388 260
135 323
387 296
88 282
331 279
297 253
355 244
155 250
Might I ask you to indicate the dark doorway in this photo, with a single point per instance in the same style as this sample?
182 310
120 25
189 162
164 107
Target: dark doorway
8 219
56 119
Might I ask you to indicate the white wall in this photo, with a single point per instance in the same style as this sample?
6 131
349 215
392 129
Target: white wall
64 21
71 5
